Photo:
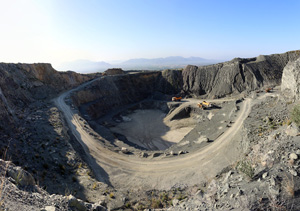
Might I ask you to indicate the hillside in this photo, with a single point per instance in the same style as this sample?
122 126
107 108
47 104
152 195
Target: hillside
91 142
173 62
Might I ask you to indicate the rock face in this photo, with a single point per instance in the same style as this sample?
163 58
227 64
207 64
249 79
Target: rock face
236 75
291 79
116 91
49 76
211 81
113 92
22 84
170 81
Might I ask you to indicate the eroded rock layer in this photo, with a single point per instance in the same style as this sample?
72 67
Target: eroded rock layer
236 75
23 84
116 91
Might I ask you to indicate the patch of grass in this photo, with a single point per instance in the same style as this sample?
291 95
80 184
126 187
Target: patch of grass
246 168
164 197
141 207
180 197
89 173
128 205
295 115
19 178
112 195
156 203
95 185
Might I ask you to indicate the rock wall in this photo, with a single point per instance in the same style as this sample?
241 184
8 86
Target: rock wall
236 75
291 80
57 80
170 81
23 84
211 81
112 92
115 91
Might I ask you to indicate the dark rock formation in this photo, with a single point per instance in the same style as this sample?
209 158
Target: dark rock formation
116 91
236 75
23 84
170 81
113 71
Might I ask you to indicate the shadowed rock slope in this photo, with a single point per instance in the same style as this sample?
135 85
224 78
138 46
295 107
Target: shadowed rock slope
236 75
113 92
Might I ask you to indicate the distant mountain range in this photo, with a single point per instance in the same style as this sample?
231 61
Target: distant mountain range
86 66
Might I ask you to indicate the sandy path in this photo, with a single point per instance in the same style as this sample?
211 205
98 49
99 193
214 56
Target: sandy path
135 172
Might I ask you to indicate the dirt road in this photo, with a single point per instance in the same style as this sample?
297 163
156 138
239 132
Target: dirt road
132 172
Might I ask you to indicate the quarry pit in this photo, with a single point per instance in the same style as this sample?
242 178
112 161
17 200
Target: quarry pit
147 164
159 125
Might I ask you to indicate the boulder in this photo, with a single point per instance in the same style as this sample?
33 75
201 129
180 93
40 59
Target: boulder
292 130
291 80
75 203
293 156
124 150
21 177
49 208
98 207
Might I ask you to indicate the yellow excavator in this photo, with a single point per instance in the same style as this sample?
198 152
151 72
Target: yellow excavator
204 105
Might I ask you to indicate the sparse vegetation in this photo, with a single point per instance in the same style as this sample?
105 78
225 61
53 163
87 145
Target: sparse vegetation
156 203
128 205
19 178
246 168
289 186
295 115
3 173
111 195
95 185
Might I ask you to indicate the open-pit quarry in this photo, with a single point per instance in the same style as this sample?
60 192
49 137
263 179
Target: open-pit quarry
153 143
119 142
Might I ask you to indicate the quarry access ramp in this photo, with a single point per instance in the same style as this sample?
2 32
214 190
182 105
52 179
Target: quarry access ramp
127 171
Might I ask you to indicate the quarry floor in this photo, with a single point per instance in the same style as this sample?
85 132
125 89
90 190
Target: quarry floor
162 170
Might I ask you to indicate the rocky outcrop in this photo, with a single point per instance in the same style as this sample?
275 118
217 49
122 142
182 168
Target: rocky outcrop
170 81
49 76
115 91
291 80
113 71
236 75
23 84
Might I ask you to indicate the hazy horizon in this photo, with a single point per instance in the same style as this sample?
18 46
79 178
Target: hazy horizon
55 32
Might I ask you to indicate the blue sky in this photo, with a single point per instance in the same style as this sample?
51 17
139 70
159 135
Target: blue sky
57 31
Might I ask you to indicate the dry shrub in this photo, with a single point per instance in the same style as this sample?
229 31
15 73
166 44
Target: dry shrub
289 186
